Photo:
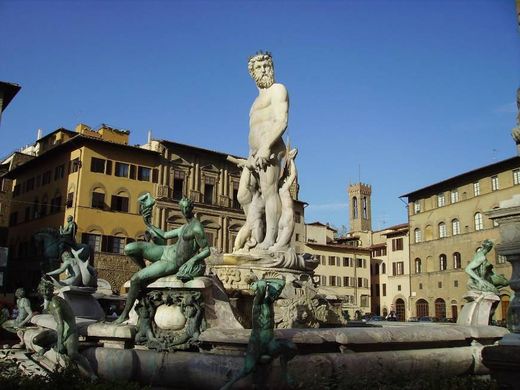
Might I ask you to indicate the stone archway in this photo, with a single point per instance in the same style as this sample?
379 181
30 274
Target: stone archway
422 309
440 308
400 309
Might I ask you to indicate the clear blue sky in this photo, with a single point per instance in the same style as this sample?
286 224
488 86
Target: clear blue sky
411 92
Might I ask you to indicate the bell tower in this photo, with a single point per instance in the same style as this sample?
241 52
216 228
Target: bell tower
360 207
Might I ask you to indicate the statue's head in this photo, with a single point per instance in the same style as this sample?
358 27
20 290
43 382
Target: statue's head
70 218
46 288
186 206
261 69
487 245
19 293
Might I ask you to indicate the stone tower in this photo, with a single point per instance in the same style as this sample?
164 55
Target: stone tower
360 208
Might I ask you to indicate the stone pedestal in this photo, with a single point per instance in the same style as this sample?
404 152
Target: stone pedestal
479 308
82 302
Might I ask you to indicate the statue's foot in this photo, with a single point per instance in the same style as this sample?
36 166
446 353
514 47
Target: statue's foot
265 245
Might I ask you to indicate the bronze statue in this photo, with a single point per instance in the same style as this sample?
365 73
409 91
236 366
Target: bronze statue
482 277
80 273
185 259
263 347
65 338
25 314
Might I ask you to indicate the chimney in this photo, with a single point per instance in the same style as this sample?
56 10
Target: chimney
39 134
149 137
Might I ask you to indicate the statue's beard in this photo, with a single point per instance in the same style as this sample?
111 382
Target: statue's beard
265 81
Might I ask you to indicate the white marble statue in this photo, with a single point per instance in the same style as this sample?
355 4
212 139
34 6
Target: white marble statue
267 123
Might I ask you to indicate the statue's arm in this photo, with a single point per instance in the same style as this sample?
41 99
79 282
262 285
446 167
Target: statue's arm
280 115
58 270
27 307
261 286
172 233
292 176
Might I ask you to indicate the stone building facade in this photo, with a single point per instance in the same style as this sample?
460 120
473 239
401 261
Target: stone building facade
343 273
447 224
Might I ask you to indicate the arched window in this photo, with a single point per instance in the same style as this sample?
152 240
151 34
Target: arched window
399 309
443 262
120 202
457 262
455 227
421 306
364 204
98 198
354 208
418 235
440 308
442 230
418 266
479 224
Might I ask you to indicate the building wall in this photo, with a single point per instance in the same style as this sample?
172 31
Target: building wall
433 282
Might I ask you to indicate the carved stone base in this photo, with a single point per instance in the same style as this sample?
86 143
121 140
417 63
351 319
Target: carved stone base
479 308
299 306
172 314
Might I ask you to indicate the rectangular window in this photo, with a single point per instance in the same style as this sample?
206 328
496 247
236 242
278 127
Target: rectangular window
70 200
74 165
108 170
420 286
97 165
209 188
494 183
112 244
133 173
455 283
323 280
501 259
359 263
121 169
332 260
144 173
55 205
59 172
332 280
338 281
439 284
516 176
398 287
345 262
297 237
398 268
13 218
360 282
384 289
155 175
417 207
98 200
397 244
236 203
454 196
345 281
92 240
322 260
119 203
364 300
178 185
29 186
441 200
476 188
46 178
297 217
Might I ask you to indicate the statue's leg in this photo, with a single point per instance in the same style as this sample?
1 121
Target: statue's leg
286 349
273 205
71 344
250 362
138 251
45 341
142 279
